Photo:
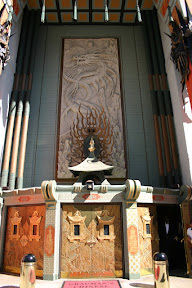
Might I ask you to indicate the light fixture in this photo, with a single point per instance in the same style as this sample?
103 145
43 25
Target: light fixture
43 12
75 11
138 12
89 184
106 12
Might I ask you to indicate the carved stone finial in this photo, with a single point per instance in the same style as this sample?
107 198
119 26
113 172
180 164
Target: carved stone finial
91 143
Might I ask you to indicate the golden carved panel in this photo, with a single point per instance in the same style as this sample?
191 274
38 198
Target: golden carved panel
91 257
15 226
148 236
15 248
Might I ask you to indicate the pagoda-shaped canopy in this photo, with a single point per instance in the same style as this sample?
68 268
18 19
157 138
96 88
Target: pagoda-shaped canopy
91 165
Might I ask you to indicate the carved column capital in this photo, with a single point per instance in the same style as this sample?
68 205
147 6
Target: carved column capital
185 193
48 189
133 189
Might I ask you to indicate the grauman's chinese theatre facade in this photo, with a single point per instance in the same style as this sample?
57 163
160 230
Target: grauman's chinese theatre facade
73 83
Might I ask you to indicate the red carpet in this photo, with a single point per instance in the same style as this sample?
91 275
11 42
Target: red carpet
92 284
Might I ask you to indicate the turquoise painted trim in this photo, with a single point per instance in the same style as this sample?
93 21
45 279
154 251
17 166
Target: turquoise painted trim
51 277
20 182
12 180
4 179
134 276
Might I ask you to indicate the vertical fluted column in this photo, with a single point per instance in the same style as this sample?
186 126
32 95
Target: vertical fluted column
154 106
14 98
160 99
27 105
167 99
15 147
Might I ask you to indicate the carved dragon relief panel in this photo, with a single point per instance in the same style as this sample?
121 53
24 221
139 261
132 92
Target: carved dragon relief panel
90 104
93 253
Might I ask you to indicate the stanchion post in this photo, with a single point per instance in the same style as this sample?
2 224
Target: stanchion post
27 276
161 270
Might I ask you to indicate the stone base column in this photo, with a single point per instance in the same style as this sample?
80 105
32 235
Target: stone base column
51 242
132 241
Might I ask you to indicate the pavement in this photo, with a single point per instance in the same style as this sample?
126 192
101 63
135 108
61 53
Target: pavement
9 281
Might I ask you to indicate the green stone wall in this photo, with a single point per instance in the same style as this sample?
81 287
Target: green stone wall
40 160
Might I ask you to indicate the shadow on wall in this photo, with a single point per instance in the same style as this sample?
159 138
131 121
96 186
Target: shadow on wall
142 285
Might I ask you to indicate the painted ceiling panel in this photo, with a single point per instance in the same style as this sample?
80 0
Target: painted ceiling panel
130 4
98 4
83 4
61 11
66 4
115 4
50 4
129 17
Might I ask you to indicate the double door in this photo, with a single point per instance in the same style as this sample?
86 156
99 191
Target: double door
24 234
91 241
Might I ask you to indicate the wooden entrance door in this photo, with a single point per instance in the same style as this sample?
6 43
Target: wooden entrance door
91 241
24 234
148 236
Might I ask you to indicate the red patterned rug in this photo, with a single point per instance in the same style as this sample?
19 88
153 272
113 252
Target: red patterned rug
92 284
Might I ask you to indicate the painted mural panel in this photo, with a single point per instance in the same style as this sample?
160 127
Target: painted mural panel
24 234
91 241
90 104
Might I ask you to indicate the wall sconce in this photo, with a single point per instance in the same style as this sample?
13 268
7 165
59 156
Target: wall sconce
89 184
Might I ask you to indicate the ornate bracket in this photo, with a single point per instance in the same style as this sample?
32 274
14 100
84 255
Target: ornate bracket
48 189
